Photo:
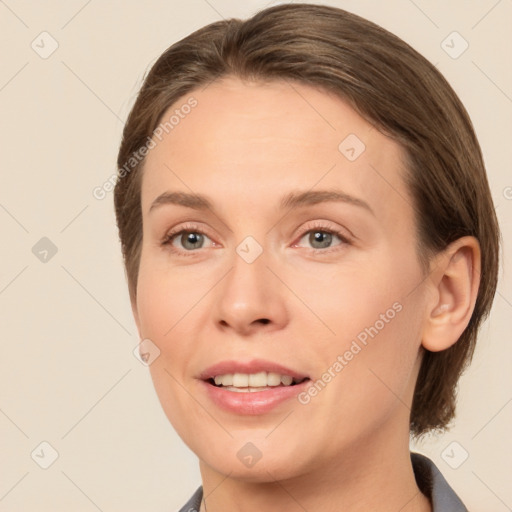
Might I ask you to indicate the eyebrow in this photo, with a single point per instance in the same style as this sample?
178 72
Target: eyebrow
195 201
293 200
311 197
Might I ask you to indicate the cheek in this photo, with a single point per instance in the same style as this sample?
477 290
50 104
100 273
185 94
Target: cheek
376 318
165 302
378 359
166 295
355 297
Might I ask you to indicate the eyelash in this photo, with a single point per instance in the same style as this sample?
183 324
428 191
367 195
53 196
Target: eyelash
191 228
322 228
187 228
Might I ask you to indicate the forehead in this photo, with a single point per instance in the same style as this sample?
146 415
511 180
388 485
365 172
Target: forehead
269 138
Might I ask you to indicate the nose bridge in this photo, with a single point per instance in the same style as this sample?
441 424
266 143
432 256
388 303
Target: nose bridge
249 294
248 278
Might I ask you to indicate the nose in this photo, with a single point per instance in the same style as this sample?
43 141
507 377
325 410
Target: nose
250 298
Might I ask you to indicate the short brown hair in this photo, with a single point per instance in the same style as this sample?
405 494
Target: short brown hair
390 85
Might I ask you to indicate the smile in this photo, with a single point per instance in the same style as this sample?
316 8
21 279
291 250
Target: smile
251 388
253 382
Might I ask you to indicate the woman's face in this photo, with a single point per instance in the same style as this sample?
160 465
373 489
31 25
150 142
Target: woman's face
283 243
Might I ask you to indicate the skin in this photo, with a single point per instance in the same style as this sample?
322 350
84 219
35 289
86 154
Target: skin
245 146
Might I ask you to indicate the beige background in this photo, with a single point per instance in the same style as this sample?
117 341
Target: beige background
68 375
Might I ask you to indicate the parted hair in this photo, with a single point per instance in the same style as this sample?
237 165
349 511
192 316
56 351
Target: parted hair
391 86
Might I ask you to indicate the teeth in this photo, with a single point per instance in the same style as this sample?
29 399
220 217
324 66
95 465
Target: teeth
286 380
273 379
248 382
258 380
240 380
227 380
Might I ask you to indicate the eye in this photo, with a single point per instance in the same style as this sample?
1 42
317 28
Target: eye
190 240
187 240
322 238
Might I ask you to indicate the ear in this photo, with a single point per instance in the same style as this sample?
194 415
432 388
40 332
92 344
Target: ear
454 283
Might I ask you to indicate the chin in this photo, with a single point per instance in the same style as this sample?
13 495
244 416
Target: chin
251 458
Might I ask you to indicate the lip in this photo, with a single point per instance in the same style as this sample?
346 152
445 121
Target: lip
250 403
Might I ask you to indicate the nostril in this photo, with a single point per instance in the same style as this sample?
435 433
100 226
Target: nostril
264 320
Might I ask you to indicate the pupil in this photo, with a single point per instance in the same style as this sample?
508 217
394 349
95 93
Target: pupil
191 240
320 239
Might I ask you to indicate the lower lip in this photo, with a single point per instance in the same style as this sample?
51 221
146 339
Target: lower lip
252 403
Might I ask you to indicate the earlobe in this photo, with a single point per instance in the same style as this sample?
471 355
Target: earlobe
454 282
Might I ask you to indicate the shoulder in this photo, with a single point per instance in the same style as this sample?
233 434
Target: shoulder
432 483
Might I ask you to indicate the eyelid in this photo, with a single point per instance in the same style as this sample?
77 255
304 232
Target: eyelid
167 239
328 227
318 225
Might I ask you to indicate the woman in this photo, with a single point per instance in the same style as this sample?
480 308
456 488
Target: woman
311 245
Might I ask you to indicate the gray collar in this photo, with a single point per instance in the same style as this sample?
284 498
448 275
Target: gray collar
432 483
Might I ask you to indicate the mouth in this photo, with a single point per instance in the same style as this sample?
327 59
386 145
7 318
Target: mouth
254 382
251 388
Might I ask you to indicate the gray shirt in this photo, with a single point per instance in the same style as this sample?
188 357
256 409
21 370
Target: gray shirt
430 481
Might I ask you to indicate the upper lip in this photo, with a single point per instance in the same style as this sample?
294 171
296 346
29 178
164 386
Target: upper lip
252 366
